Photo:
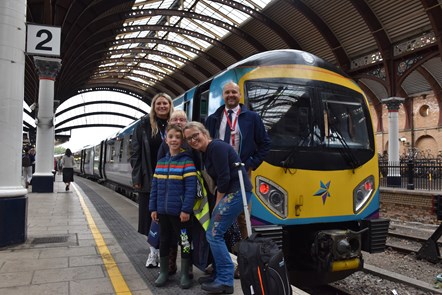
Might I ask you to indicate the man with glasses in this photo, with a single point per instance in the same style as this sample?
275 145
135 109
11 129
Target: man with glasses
243 130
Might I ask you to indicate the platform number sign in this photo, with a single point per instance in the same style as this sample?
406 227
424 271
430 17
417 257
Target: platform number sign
43 40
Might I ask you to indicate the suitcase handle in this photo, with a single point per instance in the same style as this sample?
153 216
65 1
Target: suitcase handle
244 198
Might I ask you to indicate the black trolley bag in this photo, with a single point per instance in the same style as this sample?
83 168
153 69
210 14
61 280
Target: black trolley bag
261 263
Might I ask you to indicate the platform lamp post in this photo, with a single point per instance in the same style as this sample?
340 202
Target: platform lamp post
394 172
13 196
44 40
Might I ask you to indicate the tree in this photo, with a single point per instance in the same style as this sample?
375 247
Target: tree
58 150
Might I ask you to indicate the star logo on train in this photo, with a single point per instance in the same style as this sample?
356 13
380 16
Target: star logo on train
323 191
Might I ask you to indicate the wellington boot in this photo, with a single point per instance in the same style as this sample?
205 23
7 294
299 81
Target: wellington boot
172 260
185 280
164 274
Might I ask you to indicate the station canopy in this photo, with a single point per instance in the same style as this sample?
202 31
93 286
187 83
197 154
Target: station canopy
142 47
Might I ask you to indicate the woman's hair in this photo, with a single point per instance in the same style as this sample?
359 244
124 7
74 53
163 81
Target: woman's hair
153 115
199 126
176 128
68 152
178 113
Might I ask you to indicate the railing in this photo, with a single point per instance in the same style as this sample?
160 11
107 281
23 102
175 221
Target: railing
421 174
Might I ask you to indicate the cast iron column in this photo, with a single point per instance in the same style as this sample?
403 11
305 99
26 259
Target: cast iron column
394 172
43 178
13 198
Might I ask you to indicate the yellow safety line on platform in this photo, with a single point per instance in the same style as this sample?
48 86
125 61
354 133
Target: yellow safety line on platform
112 269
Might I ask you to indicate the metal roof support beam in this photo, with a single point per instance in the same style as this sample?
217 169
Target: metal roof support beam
92 114
336 47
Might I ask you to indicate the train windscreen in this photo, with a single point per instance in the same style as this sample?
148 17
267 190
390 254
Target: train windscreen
310 121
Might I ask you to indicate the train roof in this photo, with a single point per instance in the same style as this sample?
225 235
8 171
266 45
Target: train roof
286 56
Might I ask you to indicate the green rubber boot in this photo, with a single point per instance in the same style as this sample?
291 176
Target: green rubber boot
164 272
185 280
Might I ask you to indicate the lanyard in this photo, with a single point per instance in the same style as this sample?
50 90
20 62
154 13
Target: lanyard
232 128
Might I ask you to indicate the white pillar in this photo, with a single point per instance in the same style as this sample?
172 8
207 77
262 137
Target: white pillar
394 174
13 198
42 179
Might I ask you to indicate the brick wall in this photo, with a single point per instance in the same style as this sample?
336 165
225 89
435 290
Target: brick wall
427 134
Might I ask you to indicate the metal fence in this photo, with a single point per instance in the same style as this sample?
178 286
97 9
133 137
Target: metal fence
419 174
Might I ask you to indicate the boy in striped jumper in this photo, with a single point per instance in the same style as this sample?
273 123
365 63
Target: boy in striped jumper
171 203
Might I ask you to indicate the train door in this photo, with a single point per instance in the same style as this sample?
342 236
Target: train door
96 163
104 158
200 106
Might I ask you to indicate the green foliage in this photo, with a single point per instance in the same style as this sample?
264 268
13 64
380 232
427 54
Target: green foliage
58 150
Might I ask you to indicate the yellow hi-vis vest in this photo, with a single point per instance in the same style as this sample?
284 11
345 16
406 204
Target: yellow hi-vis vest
201 206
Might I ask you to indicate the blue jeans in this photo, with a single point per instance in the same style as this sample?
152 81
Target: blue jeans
223 216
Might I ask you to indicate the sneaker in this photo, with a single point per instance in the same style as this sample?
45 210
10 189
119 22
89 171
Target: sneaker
153 260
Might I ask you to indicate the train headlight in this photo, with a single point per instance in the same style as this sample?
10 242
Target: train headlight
362 193
271 194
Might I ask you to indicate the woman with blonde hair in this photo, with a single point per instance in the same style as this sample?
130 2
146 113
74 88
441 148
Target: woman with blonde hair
147 138
219 160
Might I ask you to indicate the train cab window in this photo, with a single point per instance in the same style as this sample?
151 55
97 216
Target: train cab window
285 110
345 121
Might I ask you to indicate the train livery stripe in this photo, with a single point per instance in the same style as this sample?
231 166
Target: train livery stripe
117 279
300 72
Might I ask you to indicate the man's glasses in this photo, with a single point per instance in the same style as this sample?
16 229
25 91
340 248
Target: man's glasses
193 137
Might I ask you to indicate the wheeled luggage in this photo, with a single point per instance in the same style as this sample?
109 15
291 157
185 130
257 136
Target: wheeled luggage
261 263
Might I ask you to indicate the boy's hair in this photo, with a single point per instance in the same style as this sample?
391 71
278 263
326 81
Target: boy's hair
176 128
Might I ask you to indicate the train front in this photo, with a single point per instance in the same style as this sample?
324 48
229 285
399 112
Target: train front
317 192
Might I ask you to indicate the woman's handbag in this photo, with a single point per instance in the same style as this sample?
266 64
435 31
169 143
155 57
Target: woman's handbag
209 183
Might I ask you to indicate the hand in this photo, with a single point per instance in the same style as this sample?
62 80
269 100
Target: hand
154 216
219 196
184 216
137 186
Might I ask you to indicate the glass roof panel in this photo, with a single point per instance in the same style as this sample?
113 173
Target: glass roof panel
222 12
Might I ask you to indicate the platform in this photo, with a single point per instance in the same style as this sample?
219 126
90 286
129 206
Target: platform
84 241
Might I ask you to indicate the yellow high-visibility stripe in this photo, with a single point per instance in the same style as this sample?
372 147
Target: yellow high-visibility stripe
117 279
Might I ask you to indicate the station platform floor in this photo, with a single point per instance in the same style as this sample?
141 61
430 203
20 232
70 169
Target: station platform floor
84 241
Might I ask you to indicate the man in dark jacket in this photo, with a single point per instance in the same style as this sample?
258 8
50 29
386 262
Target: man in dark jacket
247 132
241 128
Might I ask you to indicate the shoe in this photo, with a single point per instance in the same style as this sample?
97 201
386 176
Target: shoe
216 288
236 273
152 260
67 187
205 279
209 269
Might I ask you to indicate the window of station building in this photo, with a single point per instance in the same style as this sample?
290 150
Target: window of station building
424 110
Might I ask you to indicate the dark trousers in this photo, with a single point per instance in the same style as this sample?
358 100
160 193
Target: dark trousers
173 230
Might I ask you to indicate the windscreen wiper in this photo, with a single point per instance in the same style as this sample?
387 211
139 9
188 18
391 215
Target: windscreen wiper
345 151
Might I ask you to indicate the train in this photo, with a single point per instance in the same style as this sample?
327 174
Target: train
317 192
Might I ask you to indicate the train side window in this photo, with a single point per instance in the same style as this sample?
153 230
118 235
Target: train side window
121 147
129 147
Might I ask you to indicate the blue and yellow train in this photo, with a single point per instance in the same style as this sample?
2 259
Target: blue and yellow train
317 192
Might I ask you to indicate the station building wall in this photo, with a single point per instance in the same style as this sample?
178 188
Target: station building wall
423 131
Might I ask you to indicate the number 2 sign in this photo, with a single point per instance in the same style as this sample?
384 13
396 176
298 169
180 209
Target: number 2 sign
43 40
